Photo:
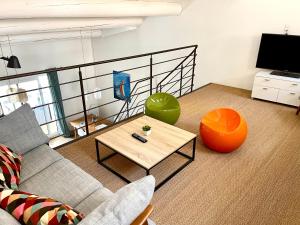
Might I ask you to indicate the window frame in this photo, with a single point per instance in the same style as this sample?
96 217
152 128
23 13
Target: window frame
43 102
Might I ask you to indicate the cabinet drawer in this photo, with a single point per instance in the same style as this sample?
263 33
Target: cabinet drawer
289 97
265 93
290 86
267 82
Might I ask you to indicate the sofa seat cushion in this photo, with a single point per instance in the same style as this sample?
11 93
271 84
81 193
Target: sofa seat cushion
10 166
94 200
7 219
32 209
124 206
20 130
63 181
37 160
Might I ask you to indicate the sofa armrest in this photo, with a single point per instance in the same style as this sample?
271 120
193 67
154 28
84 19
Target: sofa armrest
142 218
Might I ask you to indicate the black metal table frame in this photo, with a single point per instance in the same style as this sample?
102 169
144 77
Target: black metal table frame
115 152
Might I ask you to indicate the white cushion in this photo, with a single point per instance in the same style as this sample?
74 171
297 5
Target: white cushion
150 222
7 219
94 200
125 205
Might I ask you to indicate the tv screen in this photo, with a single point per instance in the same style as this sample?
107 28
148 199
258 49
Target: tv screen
279 52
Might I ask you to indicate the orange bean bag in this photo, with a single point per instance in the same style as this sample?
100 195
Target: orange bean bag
223 130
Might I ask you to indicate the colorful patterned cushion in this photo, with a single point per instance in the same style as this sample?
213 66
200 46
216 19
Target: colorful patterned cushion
10 167
30 209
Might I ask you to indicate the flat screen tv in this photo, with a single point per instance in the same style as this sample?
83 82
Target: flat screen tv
279 52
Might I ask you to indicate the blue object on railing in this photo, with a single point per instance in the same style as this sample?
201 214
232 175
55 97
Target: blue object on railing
121 85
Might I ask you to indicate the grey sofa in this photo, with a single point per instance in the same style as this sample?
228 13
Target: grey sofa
45 172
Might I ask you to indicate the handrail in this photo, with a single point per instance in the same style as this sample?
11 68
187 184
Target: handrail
92 63
143 86
176 82
193 52
134 90
127 100
180 71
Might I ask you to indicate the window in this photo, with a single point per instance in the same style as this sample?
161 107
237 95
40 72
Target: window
6 105
38 99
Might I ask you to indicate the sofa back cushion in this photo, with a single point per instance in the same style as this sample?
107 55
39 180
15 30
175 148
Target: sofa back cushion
10 168
20 130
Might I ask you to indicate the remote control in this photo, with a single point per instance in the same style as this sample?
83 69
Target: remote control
138 137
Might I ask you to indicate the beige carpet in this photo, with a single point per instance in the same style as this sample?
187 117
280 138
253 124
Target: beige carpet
258 184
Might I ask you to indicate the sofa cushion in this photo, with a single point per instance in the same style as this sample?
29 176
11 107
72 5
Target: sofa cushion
35 210
7 219
63 181
37 160
125 205
10 166
20 130
94 200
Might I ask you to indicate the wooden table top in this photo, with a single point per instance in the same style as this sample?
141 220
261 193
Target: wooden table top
164 140
77 123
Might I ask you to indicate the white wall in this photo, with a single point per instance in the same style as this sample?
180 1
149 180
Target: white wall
46 54
117 46
227 32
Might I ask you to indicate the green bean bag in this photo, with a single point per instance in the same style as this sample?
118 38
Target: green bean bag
164 107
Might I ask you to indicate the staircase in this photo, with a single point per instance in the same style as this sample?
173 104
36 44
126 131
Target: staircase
179 81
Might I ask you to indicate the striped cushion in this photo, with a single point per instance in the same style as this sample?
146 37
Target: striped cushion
30 209
10 167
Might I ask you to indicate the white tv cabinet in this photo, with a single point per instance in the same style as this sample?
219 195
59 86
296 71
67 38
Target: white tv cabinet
285 90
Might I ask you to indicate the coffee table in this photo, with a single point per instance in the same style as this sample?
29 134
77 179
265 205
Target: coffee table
164 141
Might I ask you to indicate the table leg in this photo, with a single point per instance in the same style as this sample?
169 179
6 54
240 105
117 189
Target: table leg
190 159
298 110
194 148
97 151
101 161
76 133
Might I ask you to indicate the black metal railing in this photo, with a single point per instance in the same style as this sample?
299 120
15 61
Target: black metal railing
175 79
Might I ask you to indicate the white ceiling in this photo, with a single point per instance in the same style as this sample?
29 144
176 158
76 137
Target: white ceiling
26 17
183 3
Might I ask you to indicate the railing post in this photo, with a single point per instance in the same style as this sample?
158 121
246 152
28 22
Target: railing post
1 111
151 74
193 73
83 102
157 90
127 106
181 77
51 117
